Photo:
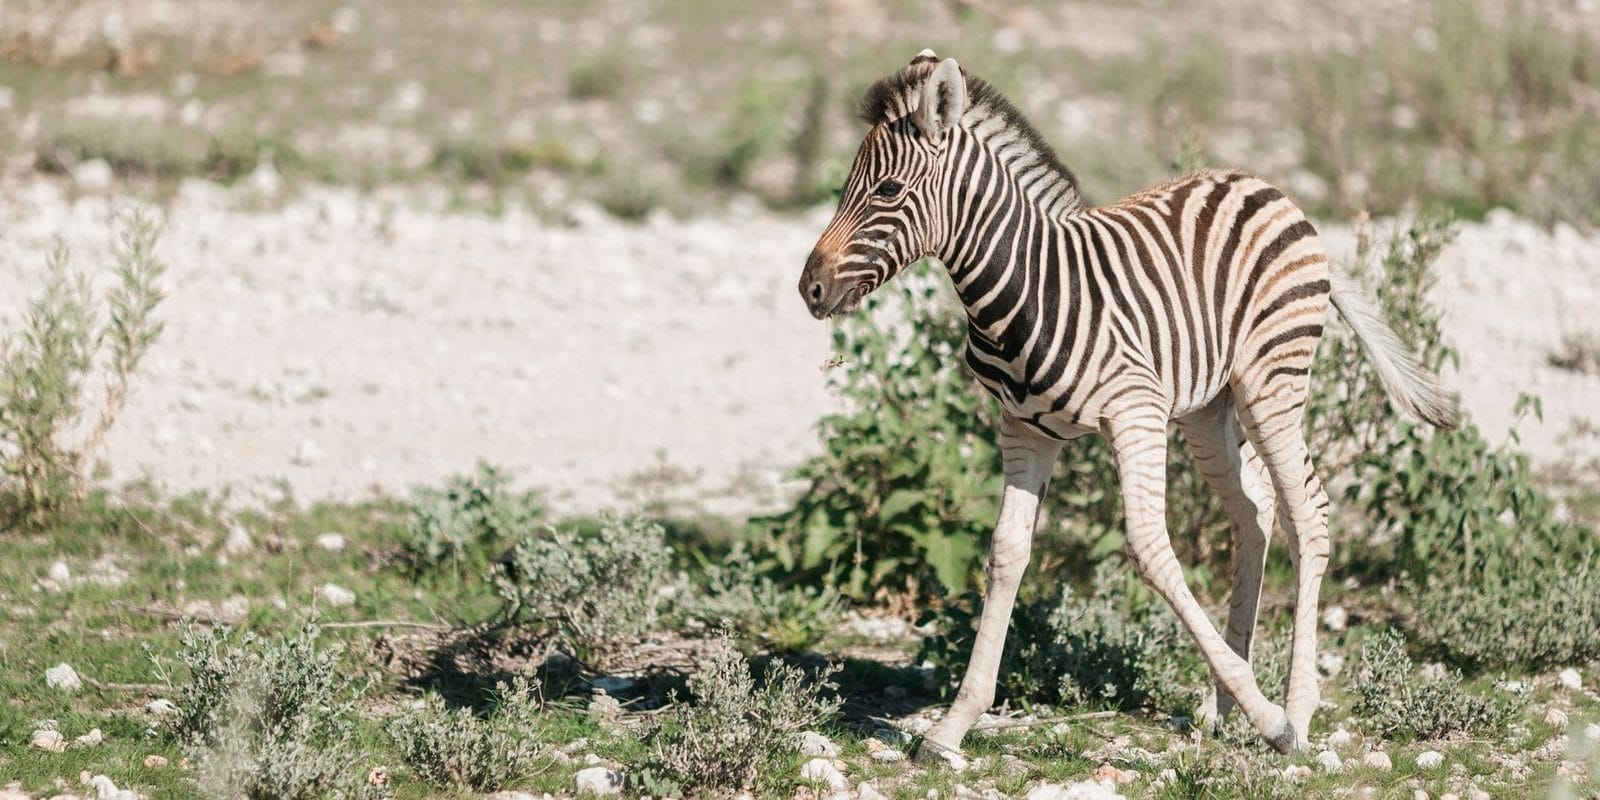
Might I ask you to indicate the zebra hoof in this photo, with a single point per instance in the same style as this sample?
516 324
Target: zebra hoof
1282 737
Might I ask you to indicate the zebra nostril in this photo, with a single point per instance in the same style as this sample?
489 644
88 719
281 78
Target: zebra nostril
816 292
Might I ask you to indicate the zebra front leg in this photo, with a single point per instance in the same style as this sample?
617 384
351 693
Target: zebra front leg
1234 471
1027 458
1140 445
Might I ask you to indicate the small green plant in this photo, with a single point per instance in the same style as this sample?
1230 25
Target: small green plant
264 718
739 598
1394 700
1117 646
63 347
469 522
599 590
454 747
734 731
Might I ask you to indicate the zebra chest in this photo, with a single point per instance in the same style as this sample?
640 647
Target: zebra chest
1026 385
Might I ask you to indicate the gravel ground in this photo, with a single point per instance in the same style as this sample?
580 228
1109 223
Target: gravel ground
344 343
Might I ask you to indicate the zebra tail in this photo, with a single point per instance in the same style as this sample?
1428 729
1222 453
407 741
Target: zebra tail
1414 389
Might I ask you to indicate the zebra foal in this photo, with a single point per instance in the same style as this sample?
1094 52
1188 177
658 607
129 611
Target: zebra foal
1199 301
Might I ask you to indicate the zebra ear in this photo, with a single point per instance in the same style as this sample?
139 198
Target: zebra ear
927 54
944 100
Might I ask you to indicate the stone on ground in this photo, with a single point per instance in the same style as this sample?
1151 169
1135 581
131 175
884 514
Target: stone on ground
815 744
63 676
1429 759
335 595
597 781
821 770
1378 759
90 739
48 739
1080 790
1329 761
1570 679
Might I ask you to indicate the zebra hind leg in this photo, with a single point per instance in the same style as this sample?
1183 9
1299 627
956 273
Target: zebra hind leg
1140 445
1273 419
1234 471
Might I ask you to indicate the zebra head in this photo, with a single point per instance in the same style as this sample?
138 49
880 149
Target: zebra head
890 206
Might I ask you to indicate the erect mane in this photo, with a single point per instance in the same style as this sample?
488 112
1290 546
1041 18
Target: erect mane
894 96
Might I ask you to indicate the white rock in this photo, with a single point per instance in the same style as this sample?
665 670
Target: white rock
1592 732
161 707
1555 717
234 609
867 791
510 795
1429 759
1378 759
331 542
598 781
1330 663
1329 761
821 770
90 739
1449 796
237 541
60 572
815 744
951 759
47 739
335 595
1335 618
1474 793
888 755
1570 679
1419 794
63 676
1081 790
103 787
592 759
1339 739
1293 772
306 454
264 180
94 175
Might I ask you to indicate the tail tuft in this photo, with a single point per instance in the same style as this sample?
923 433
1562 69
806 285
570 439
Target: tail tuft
1415 390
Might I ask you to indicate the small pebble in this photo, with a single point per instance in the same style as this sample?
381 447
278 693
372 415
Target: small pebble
336 595
154 761
1335 618
1419 794
238 541
1429 759
1592 732
1379 760
821 770
1570 679
1330 663
1329 761
597 781
161 707
815 744
866 791
331 542
47 739
90 739
888 755
1293 772
1339 738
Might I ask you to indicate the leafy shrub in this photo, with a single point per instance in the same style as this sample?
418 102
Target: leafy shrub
45 367
448 747
599 590
734 730
904 496
467 523
1540 616
266 719
1118 646
1395 701
739 598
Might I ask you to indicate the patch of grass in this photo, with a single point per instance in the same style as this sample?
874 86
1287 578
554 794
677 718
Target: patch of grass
1397 702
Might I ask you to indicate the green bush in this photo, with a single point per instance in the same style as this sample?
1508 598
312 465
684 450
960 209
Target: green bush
1118 646
740 598
468 523
265 719
448 747
599 590
1394 700
64 347
734 732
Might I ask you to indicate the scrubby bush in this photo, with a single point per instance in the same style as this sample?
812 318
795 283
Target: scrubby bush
1117 646
599 590
265 719
64 346
454 747
739 597
734 729
1539 616
469 522
1395 701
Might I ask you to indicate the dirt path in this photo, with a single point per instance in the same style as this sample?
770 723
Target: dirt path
350 342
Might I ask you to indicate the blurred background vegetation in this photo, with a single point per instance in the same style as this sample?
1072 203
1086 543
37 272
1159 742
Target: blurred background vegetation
688 106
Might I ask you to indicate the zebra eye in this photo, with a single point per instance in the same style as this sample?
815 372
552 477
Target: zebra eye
889 188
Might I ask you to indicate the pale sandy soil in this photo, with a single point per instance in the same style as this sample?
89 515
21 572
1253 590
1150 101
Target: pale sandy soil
349 343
